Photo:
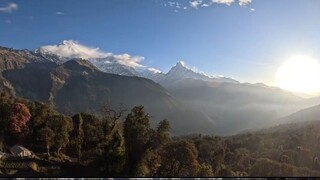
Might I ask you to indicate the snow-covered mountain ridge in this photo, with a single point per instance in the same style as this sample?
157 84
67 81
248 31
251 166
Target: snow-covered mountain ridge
123 64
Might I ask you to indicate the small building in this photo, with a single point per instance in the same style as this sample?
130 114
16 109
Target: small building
21 151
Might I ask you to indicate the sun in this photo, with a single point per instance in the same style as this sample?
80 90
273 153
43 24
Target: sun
299 74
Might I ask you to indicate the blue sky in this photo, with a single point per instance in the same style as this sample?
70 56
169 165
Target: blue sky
247 42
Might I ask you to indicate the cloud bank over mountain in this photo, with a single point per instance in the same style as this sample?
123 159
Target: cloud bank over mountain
72 49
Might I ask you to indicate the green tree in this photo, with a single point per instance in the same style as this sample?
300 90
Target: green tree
137 135
61 126
78 133
163 135
93 134
6 103
151 160
113 159
40 113
205 171
150 163
47 136
179 159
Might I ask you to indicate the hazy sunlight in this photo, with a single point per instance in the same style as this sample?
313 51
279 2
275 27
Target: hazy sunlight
299 74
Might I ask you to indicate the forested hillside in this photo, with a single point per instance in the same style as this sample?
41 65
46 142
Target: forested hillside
122 143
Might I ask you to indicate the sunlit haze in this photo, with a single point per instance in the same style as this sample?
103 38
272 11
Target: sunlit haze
299 74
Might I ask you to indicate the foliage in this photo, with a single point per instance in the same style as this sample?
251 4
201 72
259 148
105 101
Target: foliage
78 133
137 135
19 117
114 145
181 161
47 136
61 126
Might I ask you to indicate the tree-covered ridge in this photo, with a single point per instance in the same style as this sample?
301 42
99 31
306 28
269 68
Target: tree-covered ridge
121 143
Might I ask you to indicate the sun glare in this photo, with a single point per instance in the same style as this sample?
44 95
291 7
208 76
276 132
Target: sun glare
299 74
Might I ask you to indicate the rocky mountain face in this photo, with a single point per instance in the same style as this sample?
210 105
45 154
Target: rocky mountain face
11 60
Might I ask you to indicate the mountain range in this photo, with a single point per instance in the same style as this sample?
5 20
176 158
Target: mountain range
114 64
192 101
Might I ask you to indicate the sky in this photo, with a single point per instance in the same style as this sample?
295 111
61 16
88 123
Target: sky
244 39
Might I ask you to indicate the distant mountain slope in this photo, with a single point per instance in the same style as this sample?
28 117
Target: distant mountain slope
236 107
304 115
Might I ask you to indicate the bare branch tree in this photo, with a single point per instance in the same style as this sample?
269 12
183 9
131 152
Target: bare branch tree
112 115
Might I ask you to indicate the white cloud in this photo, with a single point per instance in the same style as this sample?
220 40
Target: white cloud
128 60
9 8
244 2
195 3
226 2
172 3
154 70
59 13
72 49
252 9
177 5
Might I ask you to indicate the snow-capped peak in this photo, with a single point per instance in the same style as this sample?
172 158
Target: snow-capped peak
183 66
181 63
181 71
